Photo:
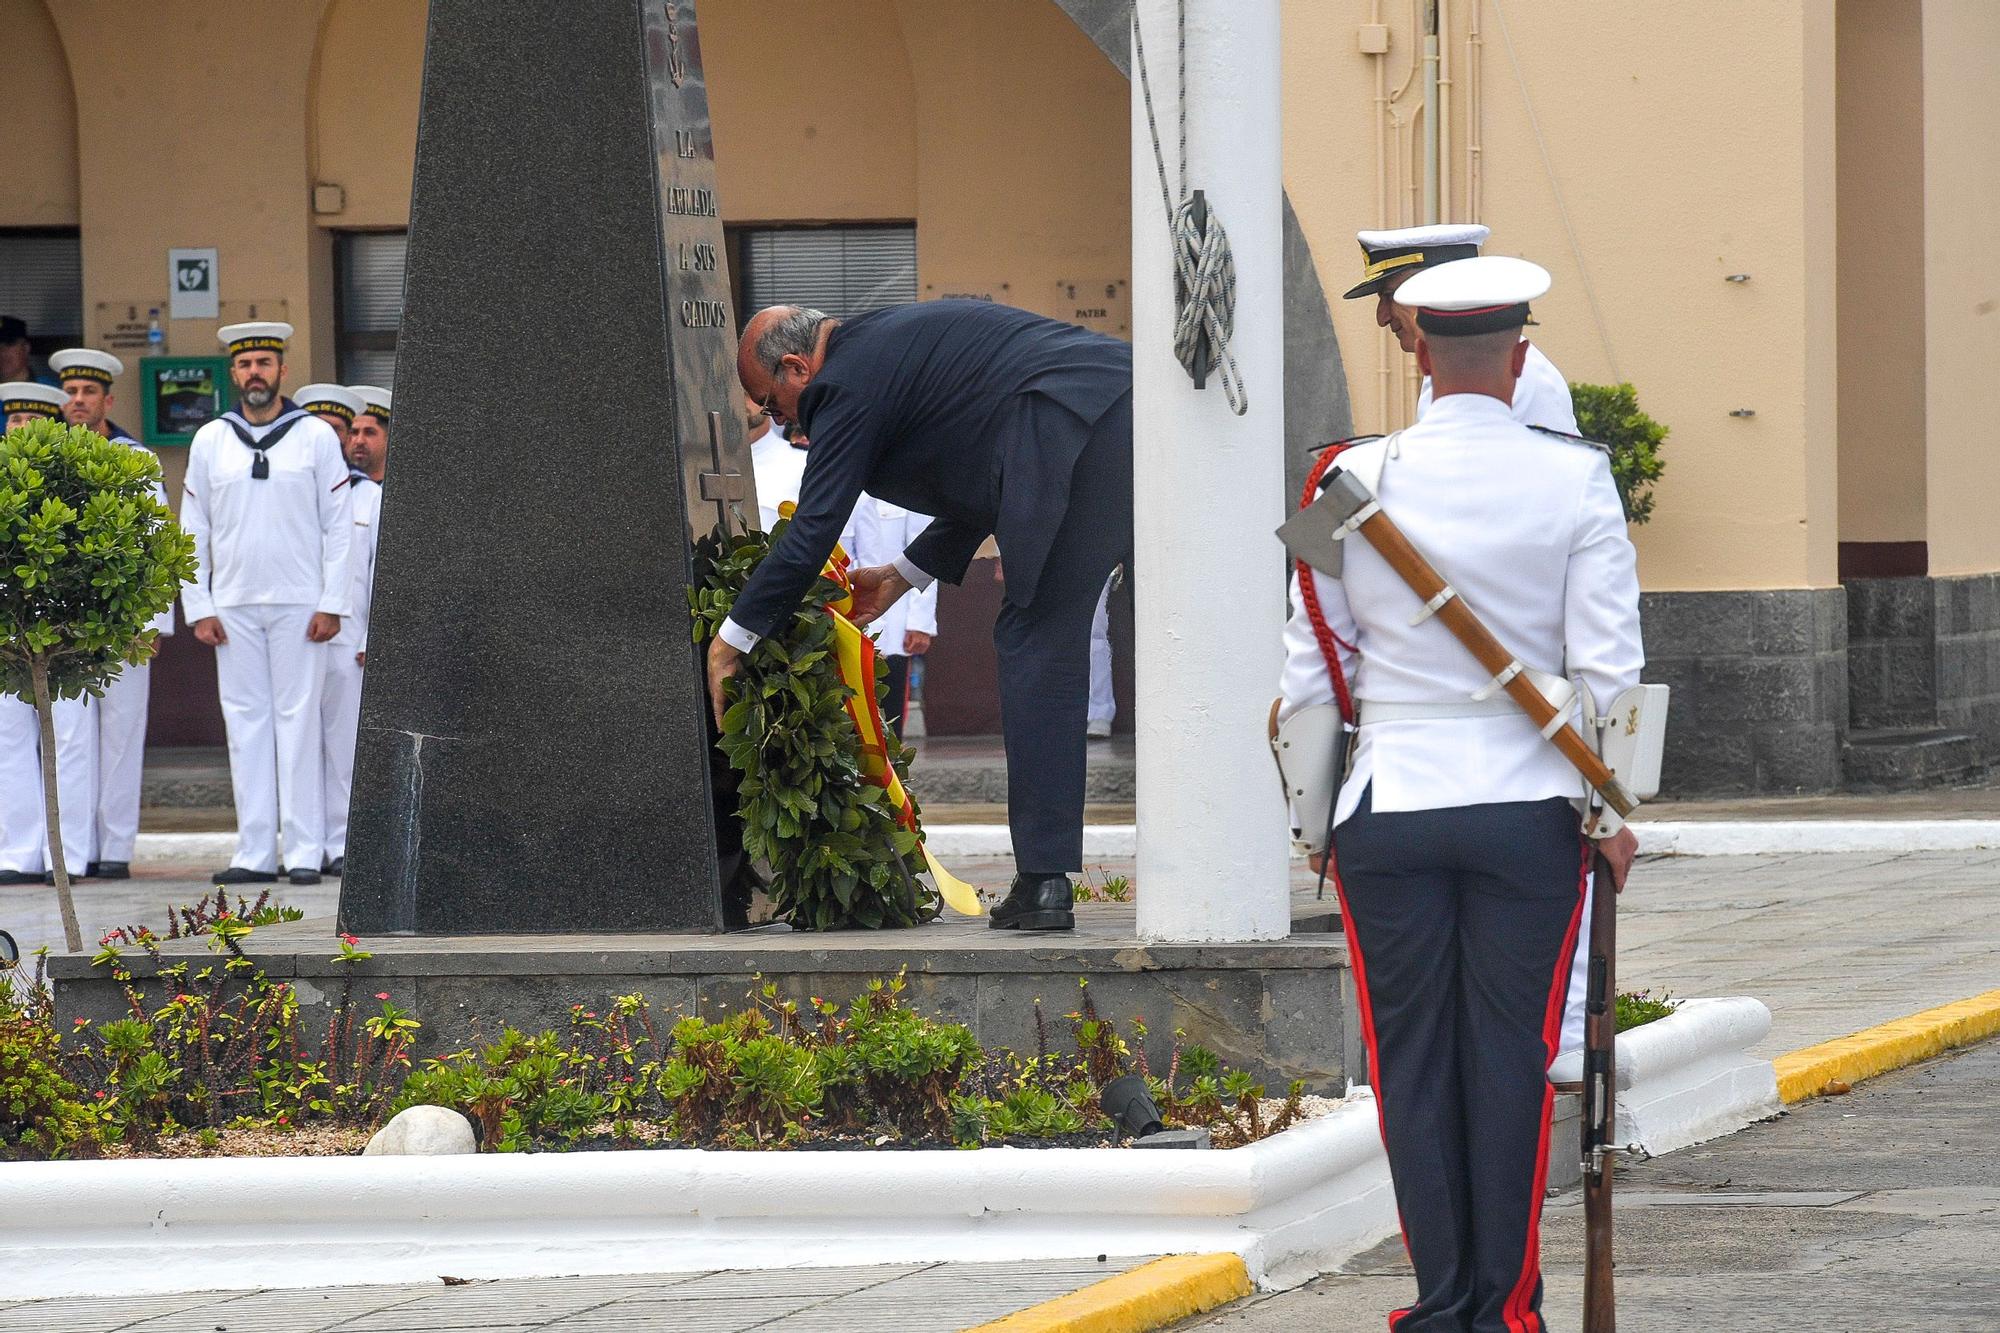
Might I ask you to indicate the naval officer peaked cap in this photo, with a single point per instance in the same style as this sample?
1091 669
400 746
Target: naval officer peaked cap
86 363
1468 296
374 401
331 399
36 399
1388 253
257 336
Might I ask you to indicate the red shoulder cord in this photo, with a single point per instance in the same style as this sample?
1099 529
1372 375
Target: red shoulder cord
1309 594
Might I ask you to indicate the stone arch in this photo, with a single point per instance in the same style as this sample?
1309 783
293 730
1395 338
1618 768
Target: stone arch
39 187
1316 402
361 119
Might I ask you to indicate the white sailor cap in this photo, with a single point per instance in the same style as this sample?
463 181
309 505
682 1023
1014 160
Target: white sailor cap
256 336
1390 252
35 399
374 401
86 363
1468 296
331 399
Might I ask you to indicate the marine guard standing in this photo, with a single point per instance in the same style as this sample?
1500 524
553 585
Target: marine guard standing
1460 858
87 376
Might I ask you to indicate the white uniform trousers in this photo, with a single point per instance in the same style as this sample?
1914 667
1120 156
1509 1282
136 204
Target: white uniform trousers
1103 704
270 679
23 826
340 723
121 760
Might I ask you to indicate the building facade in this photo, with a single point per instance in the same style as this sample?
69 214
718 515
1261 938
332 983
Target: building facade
1763 215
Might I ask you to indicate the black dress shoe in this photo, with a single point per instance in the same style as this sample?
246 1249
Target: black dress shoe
302 876
334 867
1036 902
20 877
241 875
110 870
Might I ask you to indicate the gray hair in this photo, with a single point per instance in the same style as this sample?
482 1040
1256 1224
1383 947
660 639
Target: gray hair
794 335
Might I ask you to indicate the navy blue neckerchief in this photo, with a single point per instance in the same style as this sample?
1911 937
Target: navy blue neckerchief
290 415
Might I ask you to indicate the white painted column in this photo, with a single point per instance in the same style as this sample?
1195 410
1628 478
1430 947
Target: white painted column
1213 855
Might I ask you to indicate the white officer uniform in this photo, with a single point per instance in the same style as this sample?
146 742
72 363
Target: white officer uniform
881 533
1458 857
24 849
778 468
271 552
1541 396
340 692
121 713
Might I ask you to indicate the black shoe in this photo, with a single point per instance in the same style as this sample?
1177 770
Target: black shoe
241 875
20 877
1037 902
110 870
334 867
89 872
302 876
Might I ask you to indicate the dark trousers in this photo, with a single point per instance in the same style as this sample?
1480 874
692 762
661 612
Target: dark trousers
1462 924
1044 652
896 671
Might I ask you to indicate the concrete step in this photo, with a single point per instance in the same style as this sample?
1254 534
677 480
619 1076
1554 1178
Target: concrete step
1909 758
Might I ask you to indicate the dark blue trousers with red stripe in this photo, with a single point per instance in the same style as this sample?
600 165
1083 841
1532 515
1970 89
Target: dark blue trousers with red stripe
1462 924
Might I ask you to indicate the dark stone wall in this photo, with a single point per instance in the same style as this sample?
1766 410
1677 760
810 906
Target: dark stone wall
1966 614
1760 689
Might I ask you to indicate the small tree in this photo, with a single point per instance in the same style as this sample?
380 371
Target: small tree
1609 414
88 556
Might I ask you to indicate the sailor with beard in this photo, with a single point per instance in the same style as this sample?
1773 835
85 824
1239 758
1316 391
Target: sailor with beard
267 504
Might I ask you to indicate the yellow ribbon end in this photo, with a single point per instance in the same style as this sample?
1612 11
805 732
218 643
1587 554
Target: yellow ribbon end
961 897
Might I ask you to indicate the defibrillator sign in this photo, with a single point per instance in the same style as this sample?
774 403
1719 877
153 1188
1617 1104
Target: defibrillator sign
191 277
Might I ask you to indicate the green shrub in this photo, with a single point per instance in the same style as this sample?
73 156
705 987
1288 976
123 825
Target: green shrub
1637 1008
1610 415
43 1115
523 1092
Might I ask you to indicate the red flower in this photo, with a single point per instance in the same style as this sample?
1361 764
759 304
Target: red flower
349 940
381 995
99 1094
81 1021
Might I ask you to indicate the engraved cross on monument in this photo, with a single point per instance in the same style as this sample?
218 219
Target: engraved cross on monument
535 750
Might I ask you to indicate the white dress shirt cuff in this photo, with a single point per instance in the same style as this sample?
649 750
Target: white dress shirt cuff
733 634
917 578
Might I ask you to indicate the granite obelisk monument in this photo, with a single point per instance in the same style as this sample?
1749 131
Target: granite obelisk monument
534 752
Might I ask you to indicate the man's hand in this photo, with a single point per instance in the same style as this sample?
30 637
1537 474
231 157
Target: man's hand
361 659
1619 851
916 643
209 630
322 627
724 661
875 591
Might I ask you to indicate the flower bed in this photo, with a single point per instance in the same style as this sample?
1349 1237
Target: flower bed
224 1054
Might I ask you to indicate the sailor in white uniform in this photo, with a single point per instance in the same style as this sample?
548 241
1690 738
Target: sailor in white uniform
268 505
24 849
881 532
334 404
367 446
1542 398
1458 851
87 376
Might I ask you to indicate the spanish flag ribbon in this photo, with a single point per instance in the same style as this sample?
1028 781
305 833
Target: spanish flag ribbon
854 658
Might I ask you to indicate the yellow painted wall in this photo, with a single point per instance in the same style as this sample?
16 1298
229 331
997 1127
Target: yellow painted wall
1962 282
814 110
38 186
1686 142
361 133
1881 154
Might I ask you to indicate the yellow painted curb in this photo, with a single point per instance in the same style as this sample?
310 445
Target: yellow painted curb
1903 1041
1150 1296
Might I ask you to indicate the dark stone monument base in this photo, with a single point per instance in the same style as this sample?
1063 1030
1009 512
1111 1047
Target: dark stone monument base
1279 1009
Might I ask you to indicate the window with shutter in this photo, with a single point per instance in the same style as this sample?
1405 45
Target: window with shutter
41 282
841 270
368 276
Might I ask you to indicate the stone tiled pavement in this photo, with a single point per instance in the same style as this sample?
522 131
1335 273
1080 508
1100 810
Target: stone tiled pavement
908 1298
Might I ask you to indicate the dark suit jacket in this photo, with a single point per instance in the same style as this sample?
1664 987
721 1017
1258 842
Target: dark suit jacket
969 411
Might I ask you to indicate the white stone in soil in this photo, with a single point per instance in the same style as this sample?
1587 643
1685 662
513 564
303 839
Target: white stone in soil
423 1131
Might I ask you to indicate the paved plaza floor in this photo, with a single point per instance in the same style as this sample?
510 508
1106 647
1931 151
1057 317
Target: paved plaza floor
1878 1210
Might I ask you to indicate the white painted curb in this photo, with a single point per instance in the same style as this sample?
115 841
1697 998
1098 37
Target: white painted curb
1291 1205
1112 842
1685 1078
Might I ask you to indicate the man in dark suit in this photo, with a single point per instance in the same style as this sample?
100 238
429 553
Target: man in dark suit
1002 424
